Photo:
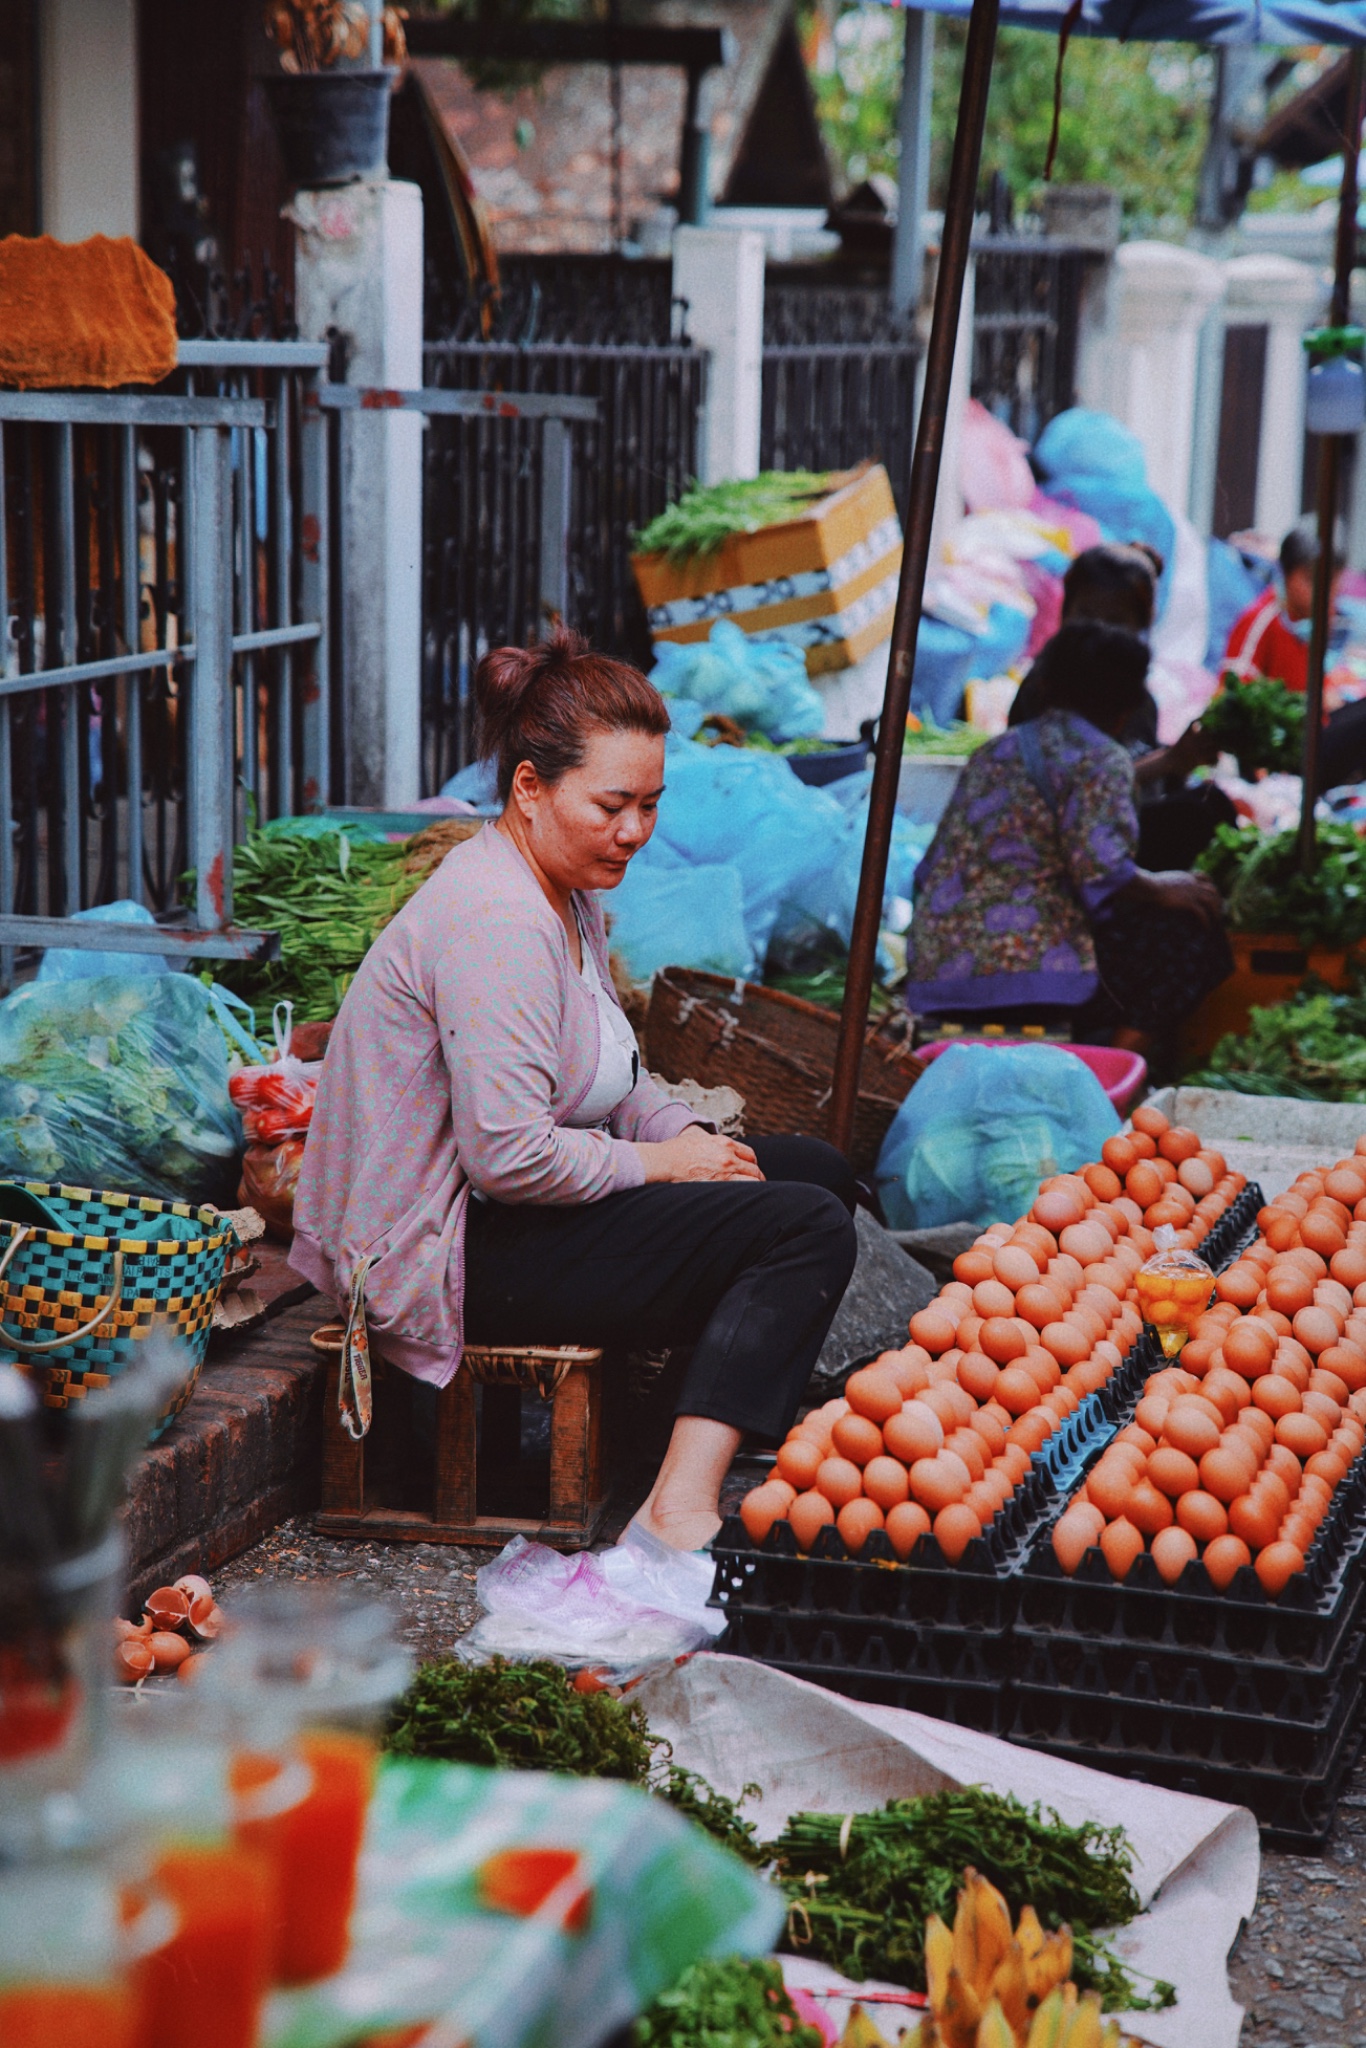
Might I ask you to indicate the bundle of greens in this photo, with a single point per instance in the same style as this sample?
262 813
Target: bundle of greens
728 2002
706 516
860 1890
1312 1047
520 1717
531 1717
329 898
927 741
1259 876
1260 721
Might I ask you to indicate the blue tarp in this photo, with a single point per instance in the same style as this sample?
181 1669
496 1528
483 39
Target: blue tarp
1182 21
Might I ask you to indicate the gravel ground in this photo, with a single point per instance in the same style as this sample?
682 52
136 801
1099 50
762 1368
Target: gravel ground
1299 1967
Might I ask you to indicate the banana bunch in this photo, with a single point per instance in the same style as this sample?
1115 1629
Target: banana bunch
993 1987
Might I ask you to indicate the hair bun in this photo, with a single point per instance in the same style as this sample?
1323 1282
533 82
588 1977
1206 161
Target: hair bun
538 704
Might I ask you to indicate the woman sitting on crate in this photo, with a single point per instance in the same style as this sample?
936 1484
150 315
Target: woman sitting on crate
1030 908
487 1160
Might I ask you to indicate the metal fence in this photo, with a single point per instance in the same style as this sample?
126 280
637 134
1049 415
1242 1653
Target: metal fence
484 504
830 407
163 587
1025 324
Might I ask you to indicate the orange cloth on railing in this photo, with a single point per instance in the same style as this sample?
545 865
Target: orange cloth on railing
78 314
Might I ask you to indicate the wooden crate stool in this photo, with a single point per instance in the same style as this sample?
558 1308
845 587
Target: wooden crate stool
568 1376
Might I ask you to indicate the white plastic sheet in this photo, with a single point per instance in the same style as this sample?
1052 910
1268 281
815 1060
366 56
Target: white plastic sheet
1196 1861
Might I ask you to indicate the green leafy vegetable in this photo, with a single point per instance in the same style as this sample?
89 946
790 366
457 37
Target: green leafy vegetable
926 741
706 516
1312 1047
860 1891
524 1717
1258 875
329 897
1259 720
530 1717
732 2002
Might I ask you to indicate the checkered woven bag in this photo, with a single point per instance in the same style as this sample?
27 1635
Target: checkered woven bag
75 1303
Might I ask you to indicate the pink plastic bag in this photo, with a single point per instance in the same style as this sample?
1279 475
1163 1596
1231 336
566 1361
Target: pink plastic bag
994 466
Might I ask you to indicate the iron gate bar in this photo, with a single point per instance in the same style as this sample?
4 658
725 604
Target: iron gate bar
229 943
130 409
503 405
273 636
252 355
65 678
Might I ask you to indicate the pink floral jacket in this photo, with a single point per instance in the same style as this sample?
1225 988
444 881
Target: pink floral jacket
463 1044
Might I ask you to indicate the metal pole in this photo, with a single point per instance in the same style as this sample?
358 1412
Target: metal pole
1330 453
913 170
694 156
954 250
209 759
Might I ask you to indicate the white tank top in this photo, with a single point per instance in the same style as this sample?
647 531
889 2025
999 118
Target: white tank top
618 1056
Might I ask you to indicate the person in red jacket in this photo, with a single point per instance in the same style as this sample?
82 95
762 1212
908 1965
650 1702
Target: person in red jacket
1271 637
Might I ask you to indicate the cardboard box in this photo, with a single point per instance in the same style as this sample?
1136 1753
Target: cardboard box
825 582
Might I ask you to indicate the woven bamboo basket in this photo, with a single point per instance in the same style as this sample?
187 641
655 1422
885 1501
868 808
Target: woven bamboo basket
777 1051
75 1303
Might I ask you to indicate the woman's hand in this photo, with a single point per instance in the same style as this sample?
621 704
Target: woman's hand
1195 749
1174 889
696 1154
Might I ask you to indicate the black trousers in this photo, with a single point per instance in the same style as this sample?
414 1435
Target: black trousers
750 1273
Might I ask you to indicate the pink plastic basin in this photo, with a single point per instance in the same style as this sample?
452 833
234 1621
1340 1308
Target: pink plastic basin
1121 1074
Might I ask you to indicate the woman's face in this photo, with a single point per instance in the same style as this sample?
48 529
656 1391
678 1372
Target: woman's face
583 829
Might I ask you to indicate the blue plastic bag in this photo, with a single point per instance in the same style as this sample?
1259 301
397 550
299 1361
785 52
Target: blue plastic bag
667 914
759 683
73 963
728 807
982 1127
1089 460
943 662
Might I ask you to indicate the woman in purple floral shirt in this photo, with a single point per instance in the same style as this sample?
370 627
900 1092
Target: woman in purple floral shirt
1029 905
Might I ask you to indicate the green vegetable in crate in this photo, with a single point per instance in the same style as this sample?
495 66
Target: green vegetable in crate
860 1888
1312 1047
728 2002
1259 876
706 516
1260 721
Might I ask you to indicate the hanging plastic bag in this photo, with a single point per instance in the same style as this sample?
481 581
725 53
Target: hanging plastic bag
982 1127
1174 1288
118 1082
276 1102
761 684
618 1613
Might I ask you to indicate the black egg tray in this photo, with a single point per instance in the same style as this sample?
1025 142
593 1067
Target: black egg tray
1235 1230
955 1674
1294 1807
1304 1625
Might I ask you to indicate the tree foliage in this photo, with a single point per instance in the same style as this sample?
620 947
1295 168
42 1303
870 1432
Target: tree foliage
1134 115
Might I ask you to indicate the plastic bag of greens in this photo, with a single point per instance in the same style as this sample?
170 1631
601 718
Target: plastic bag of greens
761 684
118 1082
982 1127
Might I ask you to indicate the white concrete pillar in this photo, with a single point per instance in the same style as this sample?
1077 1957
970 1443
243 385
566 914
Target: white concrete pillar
88 118
948 499
1139 354
1287 297
358 270
720 272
